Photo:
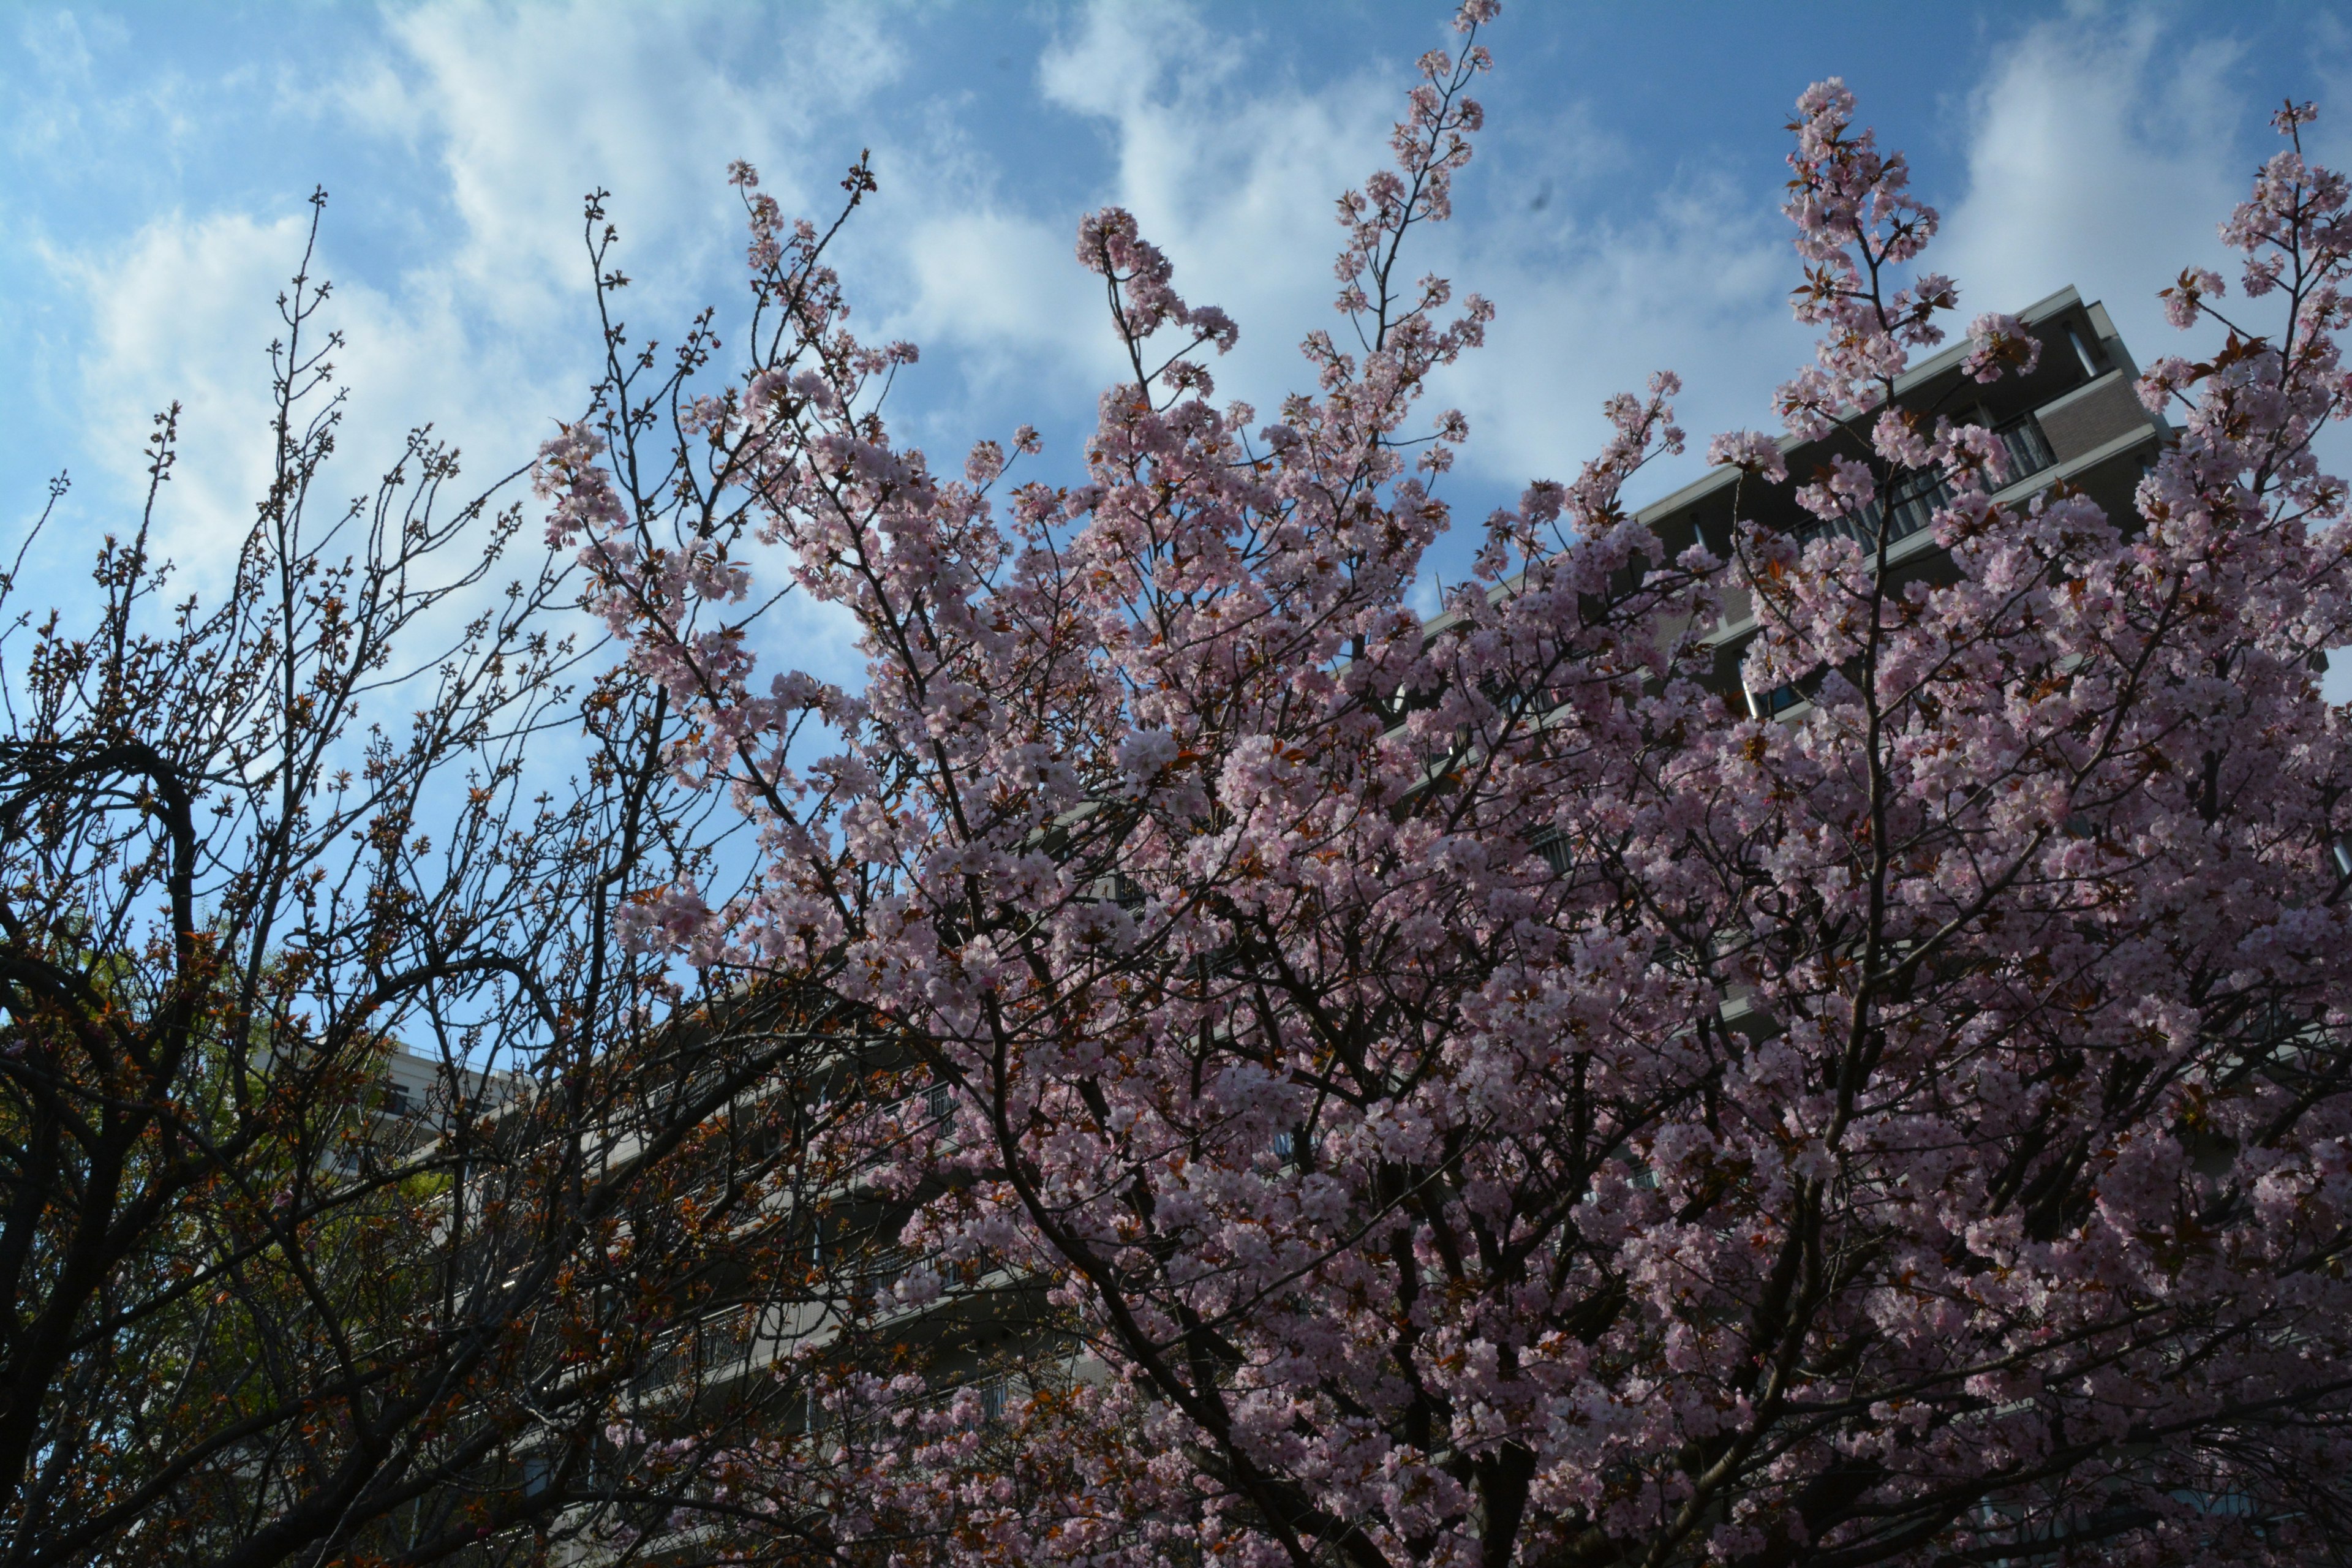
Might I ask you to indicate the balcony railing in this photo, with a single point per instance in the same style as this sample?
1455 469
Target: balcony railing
1909 509
1916 497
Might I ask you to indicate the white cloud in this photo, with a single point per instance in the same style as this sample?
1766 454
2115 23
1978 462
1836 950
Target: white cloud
1695 284
1008 290
2099 152
183 314
1232 175
531 106
482 328
1234 178
2103 150
47 117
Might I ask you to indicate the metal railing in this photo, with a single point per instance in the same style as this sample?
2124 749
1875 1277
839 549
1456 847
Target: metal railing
1909 509
1916 497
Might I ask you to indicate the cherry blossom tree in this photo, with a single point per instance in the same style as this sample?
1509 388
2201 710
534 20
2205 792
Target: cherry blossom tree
1467 1092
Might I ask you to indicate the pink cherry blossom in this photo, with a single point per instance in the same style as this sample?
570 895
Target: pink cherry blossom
1472 1094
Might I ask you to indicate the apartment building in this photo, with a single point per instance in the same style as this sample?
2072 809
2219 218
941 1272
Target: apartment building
2075 421
407 1105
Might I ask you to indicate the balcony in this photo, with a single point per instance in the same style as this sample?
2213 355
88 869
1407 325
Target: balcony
1916 497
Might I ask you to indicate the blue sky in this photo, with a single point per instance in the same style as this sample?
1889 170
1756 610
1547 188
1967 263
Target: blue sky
1623 210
